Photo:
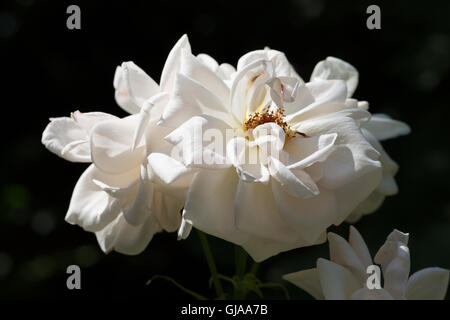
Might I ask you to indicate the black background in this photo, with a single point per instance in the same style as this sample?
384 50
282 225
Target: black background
48 71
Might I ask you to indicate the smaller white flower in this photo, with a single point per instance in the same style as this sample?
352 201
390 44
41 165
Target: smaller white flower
344 276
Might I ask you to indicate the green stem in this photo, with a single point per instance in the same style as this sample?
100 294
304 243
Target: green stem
211 264
240 257
192 293
254 268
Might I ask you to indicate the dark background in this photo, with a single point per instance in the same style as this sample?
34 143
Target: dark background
48 70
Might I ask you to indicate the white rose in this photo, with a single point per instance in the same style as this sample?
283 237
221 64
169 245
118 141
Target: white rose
345 275
314 165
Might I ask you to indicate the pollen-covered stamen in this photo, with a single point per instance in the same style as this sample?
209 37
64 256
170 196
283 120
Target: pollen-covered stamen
266 115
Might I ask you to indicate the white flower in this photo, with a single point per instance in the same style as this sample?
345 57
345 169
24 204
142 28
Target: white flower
380 127
313 166
345 275
117 197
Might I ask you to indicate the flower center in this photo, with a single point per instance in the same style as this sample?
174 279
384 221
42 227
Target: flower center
265 116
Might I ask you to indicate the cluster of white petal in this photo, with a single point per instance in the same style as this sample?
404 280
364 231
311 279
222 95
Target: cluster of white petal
345 275
320 163
117 196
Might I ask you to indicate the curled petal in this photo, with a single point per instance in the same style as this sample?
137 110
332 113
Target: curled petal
282 67
304 152
334 68
87 120
248 90
395 263
390 249
270 137
329 96
133 86
65 138
248 161
296 182
283 89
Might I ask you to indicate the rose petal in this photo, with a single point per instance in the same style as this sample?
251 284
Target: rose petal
343 254
202 141
261 249
334 68
190 98
329 96
308 216
359 246
428 284
167 210
192 68
256 213
337 282
282 67
383 127
125 238
133 86
210 204
65 138
172 65
304 152
111 145
90 206
248 90
307 280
